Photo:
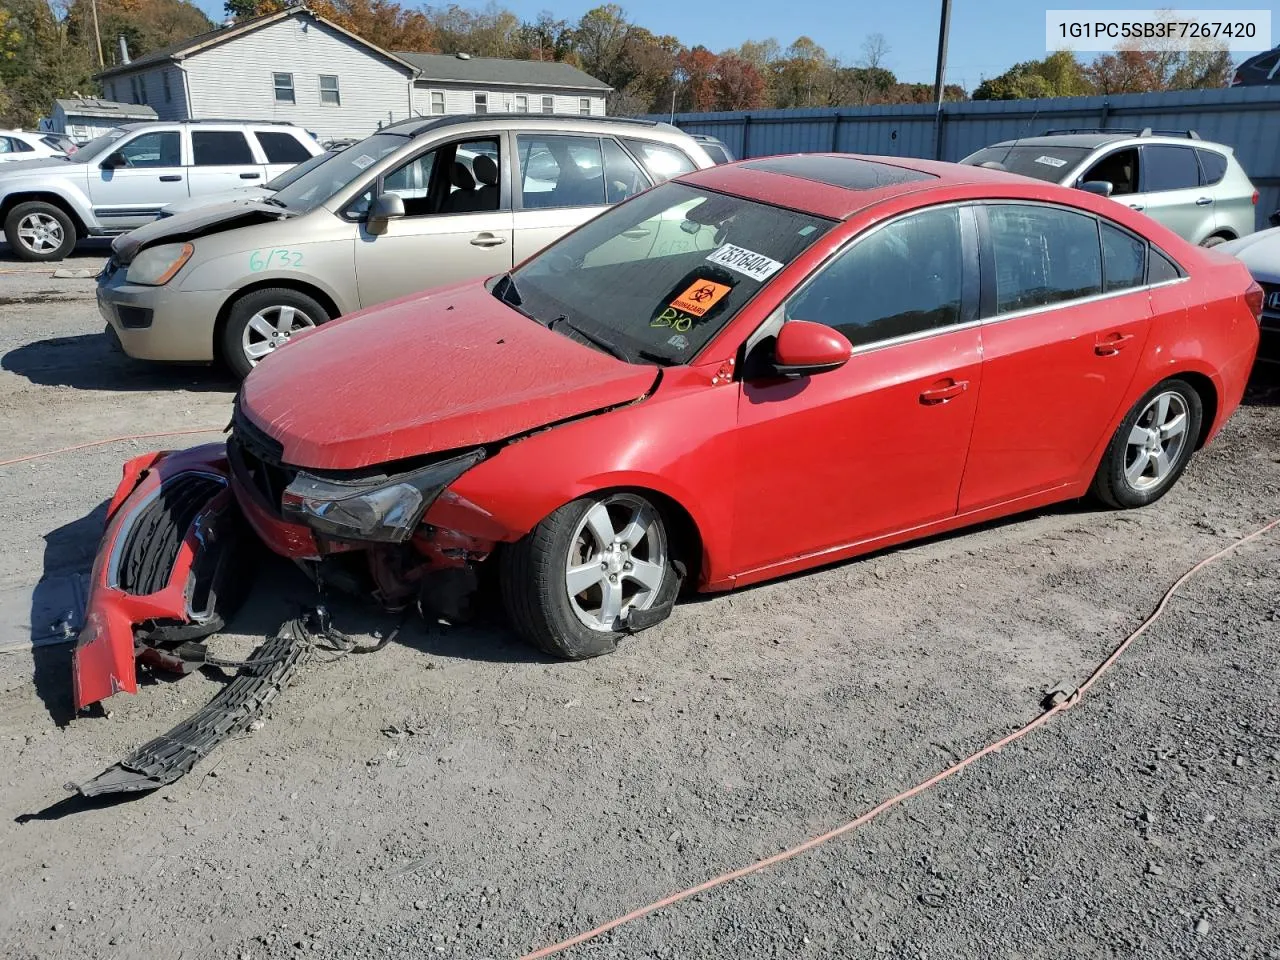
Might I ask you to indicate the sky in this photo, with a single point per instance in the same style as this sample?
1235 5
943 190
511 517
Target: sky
987 36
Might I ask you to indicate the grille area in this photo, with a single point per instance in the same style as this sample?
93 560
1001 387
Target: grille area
256 457
151 545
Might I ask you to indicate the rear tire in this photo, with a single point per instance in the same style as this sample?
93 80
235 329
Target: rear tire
1213 241
618 548
262 321
39 232
1151 447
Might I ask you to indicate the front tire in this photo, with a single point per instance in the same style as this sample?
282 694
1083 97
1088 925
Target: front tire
262 321
39 232
1151 448
571 583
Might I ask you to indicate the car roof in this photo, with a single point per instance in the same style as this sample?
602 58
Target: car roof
838 185
417 126
1091 140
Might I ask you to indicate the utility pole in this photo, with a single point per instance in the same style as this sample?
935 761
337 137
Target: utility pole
939 84
97 33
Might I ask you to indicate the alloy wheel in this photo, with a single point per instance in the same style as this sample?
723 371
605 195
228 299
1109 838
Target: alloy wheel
1157 441
40 233
271 327
617 561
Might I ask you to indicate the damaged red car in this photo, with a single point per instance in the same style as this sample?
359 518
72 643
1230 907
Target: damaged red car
749 371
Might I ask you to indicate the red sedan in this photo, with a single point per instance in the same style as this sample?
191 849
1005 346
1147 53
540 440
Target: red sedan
751 370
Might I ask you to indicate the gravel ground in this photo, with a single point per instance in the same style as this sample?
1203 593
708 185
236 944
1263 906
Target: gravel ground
457 795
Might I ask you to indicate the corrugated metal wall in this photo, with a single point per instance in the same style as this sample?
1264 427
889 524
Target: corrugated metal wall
1245 118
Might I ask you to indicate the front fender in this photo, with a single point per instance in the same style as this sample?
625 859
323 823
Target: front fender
678 443
69 195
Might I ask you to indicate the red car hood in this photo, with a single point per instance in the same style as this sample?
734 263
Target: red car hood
437 371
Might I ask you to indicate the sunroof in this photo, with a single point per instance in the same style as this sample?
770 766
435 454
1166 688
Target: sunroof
848 172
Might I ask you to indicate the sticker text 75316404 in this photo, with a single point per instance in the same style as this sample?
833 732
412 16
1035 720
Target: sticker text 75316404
746 262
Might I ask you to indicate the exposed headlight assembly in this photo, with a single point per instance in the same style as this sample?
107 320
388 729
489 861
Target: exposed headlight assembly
156 266
386 510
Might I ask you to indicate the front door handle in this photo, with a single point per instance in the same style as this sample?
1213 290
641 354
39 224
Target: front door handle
943 390
1136 206
1111 344
1204 201
635 233
487 240
250 176
171 178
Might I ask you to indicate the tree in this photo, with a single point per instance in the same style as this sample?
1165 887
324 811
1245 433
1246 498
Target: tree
546 38
40 59
1152 70
1057 75
699 67
739 84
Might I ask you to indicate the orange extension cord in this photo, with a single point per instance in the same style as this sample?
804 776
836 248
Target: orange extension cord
103 443
919 788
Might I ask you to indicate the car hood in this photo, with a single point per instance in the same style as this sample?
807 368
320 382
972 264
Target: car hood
238 195
1260 252
439 371
199 222
40 167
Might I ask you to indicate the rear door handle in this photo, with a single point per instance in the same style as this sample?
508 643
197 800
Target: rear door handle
1204 201
635 233
250 176
1111 344
487 240
170 178
944 390
1136 206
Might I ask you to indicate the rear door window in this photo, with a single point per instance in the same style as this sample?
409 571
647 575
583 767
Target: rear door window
1043 255
1124 259
1169 168
560 171
662 161
220 148
622 177
281 147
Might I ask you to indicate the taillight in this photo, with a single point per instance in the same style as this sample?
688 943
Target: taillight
1253 300
1255 198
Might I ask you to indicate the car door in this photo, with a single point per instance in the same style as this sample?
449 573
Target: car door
877 446
1062 338
457 223
282 149
1169 191
564 180
222 159
140 176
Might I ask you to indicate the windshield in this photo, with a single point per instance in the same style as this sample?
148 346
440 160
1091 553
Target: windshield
95 146
323 181
1050 163
298 170
657 277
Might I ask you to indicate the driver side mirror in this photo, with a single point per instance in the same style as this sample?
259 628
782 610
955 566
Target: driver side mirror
804 348
114 160
1103 188
386 206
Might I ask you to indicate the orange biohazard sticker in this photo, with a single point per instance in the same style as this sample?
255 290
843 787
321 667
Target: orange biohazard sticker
701 296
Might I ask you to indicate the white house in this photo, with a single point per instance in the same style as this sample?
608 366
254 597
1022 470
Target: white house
295 66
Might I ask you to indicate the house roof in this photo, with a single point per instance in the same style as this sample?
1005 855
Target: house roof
202 41
548 74
92 107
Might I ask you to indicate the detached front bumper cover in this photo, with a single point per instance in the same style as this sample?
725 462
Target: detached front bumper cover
168 568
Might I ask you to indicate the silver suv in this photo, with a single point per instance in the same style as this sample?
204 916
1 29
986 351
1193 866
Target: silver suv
1195 188
123 178
419 204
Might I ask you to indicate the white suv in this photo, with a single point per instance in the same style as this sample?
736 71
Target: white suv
122 179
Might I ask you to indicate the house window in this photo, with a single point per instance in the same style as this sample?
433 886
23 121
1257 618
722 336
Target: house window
329 91
168 94
548 104
437 102
482 103
138 89
584 106
284 87
522 103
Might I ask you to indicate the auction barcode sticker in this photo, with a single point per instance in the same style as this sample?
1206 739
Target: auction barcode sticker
1096 31
746 262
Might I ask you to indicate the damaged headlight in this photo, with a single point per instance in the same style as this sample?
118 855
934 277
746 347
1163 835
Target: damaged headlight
387 510
156 266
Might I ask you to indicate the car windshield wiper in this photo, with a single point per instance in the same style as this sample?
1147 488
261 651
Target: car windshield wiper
274 202
598 341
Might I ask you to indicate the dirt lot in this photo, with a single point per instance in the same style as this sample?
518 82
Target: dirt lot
519 801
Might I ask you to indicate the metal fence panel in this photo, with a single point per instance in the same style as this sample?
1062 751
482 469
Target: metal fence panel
1244 118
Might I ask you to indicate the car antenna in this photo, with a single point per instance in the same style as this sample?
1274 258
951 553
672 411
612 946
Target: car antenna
1020 136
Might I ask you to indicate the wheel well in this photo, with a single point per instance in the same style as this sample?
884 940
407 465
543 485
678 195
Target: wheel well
1224 234
224 312
13 199
684 531
1203 386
